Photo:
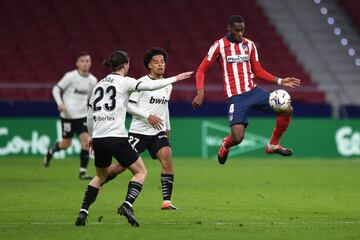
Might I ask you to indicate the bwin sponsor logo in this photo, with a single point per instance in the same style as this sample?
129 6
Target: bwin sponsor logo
237 58
158 100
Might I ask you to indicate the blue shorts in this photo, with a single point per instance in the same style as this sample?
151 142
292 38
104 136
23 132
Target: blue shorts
238 106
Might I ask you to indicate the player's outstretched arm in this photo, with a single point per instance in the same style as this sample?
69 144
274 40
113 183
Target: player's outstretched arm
153 85
291 82
183 76
260 72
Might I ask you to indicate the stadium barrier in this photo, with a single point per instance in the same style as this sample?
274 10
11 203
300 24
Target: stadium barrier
200 137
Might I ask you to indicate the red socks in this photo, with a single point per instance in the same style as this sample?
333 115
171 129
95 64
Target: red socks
282 122
228 142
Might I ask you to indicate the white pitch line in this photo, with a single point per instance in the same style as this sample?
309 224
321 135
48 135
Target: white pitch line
196 223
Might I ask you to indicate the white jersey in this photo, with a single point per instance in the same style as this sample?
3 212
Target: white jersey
76 93
152 102
109 103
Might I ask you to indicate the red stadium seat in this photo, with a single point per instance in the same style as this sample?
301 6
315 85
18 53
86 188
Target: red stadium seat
352 8
46 35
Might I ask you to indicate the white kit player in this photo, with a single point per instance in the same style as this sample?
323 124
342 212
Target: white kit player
106 124
72 94
150 125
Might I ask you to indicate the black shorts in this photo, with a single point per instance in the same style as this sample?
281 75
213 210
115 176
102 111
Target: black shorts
152 143
71 126
118 147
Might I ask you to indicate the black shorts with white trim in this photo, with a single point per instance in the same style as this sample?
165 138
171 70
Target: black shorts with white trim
153 143
118 147
71 126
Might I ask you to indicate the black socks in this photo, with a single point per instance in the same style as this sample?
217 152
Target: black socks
167 182
89 198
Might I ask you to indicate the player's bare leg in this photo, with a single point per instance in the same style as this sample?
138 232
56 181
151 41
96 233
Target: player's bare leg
84 155
282 122
167 177
235 138
134 188
90 195
62 145
114 170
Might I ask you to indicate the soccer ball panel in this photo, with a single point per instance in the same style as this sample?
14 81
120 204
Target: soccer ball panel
279 100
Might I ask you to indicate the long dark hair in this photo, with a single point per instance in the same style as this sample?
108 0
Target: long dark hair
116 60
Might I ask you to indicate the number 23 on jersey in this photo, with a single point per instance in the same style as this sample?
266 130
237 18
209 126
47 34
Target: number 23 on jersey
109 95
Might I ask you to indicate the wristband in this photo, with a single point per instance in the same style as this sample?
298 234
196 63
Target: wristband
279 81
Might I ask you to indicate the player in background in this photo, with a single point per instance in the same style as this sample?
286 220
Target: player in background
71 94
106 125
240 64
150 125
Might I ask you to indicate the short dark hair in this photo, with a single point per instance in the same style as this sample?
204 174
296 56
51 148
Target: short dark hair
116 60
235 19
82 54
153 52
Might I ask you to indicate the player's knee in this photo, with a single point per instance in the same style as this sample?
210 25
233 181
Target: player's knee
165 159
84 140
140 176
65 143
167 163
144 172
167 166
238 138
85 146
100 178
118 169
164 155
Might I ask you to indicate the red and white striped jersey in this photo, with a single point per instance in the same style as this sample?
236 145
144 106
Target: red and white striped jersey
239 63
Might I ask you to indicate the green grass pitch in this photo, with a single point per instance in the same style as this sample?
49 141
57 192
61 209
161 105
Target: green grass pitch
244 199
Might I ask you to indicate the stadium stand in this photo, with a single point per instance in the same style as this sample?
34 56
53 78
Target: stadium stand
321 36
39 40
352 8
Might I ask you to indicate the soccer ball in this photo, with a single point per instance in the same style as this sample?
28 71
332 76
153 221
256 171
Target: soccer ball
279 100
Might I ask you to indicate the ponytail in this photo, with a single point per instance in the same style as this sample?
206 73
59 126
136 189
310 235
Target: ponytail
116 60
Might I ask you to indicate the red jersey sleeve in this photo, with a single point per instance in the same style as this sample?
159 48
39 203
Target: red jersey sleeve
256 67
212 55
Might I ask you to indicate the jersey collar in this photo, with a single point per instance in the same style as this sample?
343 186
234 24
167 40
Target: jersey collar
232 40
153 78
115 73
85 76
